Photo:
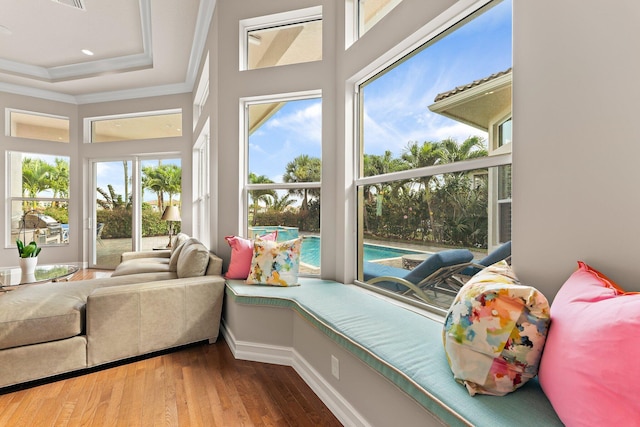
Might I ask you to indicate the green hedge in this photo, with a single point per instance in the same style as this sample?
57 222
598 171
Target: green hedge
117 224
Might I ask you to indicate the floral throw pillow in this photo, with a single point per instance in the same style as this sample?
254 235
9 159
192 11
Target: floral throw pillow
241 254
495 331
275 263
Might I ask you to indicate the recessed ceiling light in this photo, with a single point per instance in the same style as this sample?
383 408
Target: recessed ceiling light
87 52
5 30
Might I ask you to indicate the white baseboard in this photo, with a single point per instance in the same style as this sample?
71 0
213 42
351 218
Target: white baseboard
287 356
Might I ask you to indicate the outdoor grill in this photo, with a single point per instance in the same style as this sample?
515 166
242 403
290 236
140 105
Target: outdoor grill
34 220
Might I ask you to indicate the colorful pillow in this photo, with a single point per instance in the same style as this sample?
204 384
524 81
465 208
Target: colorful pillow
241 254
495 331
275 263
589 367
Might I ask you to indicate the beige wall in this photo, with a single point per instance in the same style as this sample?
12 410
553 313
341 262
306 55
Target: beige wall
576 91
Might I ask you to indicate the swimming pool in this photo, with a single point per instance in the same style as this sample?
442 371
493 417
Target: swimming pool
284 233
310 253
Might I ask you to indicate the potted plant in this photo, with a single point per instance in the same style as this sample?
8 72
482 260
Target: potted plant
28 256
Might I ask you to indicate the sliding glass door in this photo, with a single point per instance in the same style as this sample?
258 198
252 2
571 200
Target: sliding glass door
131 195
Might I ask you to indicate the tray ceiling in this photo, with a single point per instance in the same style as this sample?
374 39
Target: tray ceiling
140 47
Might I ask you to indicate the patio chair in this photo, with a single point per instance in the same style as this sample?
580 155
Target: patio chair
99 229
501 252
435 273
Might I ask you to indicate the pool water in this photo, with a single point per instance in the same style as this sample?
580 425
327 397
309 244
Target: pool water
310 253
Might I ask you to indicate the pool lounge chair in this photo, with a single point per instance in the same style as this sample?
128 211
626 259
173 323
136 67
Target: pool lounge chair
435 273
501 252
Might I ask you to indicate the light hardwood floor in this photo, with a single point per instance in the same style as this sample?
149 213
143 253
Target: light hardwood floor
199 385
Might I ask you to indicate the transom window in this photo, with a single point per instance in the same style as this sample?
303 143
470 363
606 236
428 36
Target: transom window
289 38
130 127
45 127
372 11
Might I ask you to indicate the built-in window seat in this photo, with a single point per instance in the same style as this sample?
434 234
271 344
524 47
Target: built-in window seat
403 346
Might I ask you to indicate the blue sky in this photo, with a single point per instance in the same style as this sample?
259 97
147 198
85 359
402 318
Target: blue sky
396 104
294 130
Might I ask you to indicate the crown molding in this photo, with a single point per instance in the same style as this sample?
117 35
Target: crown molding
91 68
37 93
203 24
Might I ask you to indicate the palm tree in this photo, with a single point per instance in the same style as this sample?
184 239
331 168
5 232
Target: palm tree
472 148
279 204
36 177
303 169
60 179
259 195
420 156
163 179
111 200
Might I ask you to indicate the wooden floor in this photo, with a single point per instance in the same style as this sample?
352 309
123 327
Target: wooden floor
200 385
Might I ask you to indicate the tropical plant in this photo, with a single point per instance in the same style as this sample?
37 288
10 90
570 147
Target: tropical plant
27 251
59 182
163 179
111 200
280 204
259 195
303 169
36 177
420 156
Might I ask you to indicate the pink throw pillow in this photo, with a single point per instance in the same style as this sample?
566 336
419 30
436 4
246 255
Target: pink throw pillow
242 253
589 365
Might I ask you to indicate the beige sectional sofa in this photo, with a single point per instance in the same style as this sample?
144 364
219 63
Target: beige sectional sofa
172 298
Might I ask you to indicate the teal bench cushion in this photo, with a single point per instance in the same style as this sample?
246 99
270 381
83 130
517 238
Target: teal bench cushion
403 346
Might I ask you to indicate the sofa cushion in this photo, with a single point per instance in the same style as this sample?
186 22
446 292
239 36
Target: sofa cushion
142 265
193 260
41 313
179 239
175 253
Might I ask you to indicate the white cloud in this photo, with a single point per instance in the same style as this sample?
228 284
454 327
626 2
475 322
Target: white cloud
303 124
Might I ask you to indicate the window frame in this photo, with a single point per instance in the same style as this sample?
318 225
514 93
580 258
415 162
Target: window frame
11 199
88 124
246 187
9 124
402 51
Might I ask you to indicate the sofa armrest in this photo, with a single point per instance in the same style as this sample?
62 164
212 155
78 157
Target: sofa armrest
163 253
215 265
130 320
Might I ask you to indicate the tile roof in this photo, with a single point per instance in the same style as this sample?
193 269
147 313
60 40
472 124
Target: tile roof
474 83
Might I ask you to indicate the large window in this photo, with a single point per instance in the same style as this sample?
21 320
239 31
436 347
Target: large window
282 181
435 162
39 206
288 38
